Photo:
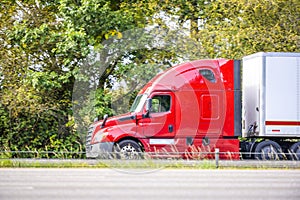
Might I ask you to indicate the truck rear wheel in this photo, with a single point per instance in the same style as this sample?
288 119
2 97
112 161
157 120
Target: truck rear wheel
268 150
128 150
295 151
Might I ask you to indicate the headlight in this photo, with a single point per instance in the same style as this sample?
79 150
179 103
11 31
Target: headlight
99 136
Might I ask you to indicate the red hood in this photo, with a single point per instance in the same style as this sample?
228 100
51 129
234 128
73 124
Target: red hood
116 120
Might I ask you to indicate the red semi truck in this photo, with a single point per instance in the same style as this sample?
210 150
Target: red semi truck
248 108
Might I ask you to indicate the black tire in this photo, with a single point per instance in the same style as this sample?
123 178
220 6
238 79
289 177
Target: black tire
128 150
295 151
268 150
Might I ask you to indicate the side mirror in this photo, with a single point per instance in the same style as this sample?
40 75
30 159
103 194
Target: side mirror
104 120
148 105
96 119
148 108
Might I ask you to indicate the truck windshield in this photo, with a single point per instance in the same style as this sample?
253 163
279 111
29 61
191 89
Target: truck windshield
138 103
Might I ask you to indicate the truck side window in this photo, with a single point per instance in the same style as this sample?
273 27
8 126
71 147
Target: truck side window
161 103
208 74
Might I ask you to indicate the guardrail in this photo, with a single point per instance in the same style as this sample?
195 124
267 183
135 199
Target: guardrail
216 155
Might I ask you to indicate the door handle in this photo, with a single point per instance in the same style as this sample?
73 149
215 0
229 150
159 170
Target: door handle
171 128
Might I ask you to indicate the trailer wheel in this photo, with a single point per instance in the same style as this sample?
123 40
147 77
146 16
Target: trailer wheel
268 150
295 151
128 150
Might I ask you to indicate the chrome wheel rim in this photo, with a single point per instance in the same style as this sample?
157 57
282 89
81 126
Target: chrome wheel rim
128 152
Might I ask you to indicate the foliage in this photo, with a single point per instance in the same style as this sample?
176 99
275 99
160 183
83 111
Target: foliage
48 45
249 26
233 28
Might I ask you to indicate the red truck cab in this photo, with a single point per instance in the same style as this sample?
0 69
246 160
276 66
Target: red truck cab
186 111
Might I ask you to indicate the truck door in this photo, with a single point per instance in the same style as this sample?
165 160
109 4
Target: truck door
161 120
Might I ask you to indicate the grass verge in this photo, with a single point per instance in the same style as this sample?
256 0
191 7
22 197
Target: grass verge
118 164
151 164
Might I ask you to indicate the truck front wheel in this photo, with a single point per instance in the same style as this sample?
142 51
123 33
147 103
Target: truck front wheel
128 150
268 150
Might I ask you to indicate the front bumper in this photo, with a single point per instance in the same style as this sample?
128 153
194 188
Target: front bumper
99 150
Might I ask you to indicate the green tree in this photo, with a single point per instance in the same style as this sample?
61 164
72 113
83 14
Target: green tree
233 28
44 44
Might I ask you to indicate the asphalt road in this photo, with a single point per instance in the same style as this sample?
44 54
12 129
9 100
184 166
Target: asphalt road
79 184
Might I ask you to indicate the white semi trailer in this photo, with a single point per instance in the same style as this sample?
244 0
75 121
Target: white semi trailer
271 101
